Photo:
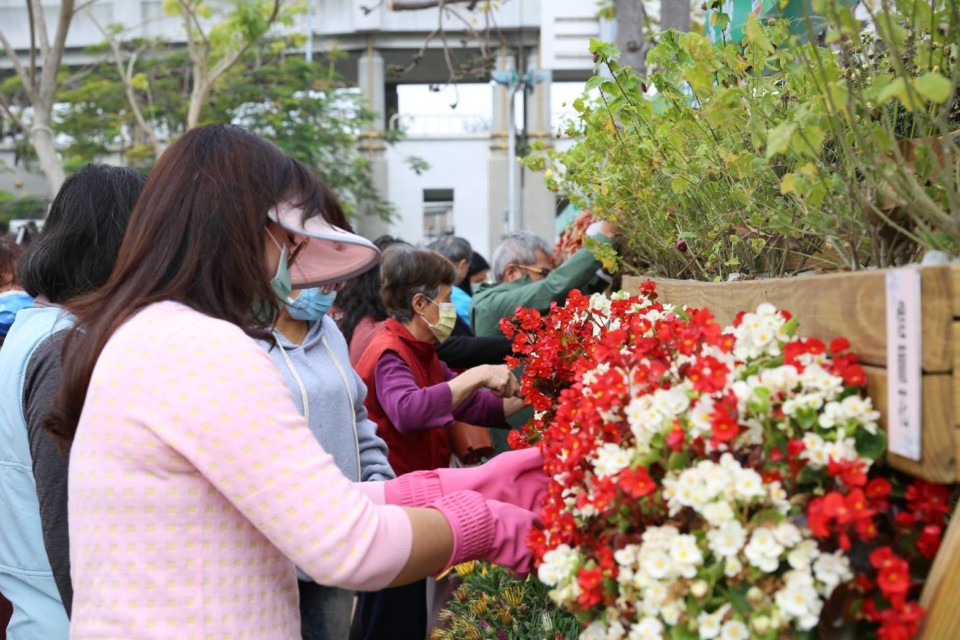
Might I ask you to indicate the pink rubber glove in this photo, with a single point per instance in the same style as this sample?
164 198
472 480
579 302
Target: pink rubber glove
487 530
514 477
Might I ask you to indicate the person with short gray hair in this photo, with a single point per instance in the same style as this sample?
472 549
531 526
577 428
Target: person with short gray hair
527 278
458 251
517 248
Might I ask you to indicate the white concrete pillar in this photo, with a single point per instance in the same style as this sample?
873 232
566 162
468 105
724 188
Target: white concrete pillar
498 164
538 204
372 83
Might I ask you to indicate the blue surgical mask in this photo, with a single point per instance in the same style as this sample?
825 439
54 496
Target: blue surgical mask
311 305
280 282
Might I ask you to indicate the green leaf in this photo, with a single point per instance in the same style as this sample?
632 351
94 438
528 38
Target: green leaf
933 87
760 400
755 36
720 20
809 141
603 50
896 89
682 632
870 445
806 417
738 598
788 184
678 460
778 139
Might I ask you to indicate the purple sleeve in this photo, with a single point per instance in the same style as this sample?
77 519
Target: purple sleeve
409 407
482 408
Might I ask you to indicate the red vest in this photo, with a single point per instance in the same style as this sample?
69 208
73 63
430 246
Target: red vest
423 450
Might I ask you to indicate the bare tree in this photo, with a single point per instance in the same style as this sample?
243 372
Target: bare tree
631 33
485 37
39 79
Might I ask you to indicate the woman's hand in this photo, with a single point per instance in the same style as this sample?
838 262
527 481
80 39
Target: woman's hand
502 382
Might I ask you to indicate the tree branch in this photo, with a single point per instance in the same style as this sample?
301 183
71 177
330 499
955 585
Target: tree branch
16 119
33 43
126 79
19 68
394 5
40 25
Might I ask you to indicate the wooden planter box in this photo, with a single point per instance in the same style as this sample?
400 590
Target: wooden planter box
853 305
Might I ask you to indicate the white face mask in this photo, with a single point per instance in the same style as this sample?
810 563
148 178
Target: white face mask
448 320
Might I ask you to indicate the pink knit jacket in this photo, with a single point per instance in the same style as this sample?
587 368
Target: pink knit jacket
195 486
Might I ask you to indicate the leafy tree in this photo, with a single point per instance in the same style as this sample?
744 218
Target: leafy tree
302 106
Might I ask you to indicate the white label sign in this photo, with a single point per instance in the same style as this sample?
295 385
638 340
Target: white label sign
904 413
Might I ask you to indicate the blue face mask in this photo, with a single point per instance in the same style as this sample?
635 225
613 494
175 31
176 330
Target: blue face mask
311 305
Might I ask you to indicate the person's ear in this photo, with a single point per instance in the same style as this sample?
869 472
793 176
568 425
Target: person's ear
418 303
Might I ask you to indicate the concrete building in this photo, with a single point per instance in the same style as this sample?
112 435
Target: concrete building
465 189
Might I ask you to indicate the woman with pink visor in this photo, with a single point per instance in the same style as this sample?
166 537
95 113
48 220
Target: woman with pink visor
195 486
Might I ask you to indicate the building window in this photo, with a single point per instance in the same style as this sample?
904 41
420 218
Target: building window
437 213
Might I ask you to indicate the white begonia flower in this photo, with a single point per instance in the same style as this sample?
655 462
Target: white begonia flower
657 563
832 415
726 540
698 588
749 484
763 551
814 452
787 534
671 402
644 420
670 612
616 631
816 378
798 600
734 630
594 631
649 628
627 555
659 537
611 460
716 513
803 555
778 497
803 401
701 422
831 569
760 624
709 625
655 594
558 565
732 567
845 449
686 555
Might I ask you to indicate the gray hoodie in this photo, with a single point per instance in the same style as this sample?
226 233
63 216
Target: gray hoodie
319 369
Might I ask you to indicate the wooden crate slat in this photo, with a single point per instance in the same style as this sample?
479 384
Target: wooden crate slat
941 589
852 305
938 461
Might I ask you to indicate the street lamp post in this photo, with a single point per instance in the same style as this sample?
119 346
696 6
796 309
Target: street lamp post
514 82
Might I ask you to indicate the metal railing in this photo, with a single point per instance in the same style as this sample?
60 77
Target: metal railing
440 125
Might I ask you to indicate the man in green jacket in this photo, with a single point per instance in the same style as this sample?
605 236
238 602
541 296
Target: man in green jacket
522 269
